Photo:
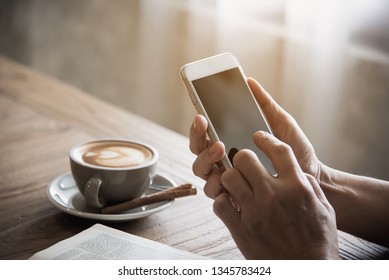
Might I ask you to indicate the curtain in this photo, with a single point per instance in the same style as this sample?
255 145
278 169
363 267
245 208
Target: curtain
325 61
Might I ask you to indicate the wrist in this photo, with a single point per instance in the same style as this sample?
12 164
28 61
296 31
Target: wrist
334 187
323 175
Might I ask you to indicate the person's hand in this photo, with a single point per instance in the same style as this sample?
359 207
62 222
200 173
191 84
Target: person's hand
283 217
286 129
283 126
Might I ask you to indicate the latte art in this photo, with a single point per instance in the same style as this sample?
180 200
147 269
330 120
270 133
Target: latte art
116 154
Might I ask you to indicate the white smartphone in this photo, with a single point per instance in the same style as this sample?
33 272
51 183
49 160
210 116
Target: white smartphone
219 91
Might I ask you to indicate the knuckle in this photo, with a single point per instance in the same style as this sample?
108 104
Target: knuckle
281 149
209 192
228 174
245 198
192 148
213 186
243 156
220 204
198 144
196 147
198 170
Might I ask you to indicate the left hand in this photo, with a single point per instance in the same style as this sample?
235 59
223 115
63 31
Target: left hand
283 217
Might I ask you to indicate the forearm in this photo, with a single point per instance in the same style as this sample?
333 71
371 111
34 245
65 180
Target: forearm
361 204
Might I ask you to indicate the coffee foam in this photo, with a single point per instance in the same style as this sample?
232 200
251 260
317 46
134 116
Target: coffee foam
114 154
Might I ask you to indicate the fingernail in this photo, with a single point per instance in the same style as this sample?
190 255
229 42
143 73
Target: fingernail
262 133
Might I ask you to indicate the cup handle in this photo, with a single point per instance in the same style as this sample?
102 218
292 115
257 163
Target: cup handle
91 192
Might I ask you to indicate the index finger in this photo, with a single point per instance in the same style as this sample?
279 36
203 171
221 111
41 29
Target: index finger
270 108
198 140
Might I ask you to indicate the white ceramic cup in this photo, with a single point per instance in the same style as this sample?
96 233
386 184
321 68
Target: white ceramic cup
111 171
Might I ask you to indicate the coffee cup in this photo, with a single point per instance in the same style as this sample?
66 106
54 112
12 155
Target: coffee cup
111 171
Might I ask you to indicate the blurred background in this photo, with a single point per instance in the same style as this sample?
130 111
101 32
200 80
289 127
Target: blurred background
325 61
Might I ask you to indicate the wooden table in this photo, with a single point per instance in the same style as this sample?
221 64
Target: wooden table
41 118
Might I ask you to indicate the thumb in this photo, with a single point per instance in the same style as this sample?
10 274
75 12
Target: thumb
268 105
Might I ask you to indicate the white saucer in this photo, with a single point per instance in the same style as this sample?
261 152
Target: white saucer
63 193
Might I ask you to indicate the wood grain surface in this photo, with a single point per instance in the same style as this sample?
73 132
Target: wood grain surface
41 118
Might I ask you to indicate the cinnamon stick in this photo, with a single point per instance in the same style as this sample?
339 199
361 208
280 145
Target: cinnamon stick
171 193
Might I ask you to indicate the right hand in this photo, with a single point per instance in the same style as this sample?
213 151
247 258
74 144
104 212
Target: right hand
283 217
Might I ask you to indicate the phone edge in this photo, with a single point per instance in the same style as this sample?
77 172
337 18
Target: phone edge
211 132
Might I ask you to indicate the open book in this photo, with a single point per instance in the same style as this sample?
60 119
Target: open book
102 242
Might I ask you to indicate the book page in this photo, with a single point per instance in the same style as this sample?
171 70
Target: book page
100 242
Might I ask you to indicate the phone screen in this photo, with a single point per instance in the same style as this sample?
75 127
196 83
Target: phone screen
233 112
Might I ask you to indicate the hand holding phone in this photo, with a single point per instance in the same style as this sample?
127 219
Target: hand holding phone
219 91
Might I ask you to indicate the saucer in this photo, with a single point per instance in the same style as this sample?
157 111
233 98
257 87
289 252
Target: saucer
63 193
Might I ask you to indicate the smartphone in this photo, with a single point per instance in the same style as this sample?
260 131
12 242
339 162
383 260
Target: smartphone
219 91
